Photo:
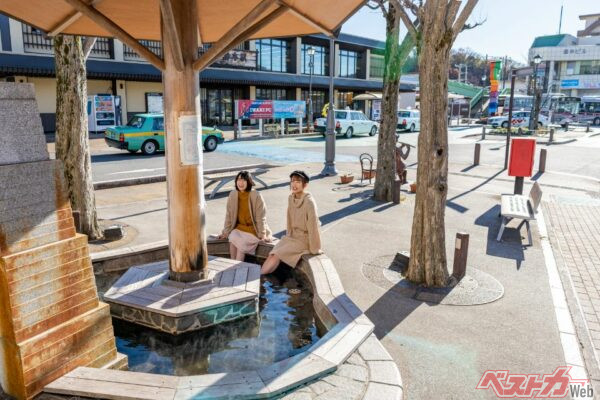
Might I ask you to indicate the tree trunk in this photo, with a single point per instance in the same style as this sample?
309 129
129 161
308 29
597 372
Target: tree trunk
395 56
72 141
428 251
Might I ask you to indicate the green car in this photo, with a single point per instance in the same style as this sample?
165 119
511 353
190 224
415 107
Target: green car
146 132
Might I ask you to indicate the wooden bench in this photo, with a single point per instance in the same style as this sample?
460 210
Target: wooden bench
521 207
225 177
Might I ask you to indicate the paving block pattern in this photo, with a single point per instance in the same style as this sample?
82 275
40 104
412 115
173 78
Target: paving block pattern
51 320
574 230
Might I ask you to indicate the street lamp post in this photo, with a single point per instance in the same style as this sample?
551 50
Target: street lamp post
311 63
533 115
329 167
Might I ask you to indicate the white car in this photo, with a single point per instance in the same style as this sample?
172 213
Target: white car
519 118
409 120
349 123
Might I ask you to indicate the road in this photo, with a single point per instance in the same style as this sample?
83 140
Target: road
581 157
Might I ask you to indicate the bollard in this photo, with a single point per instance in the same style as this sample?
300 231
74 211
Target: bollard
396 191
461 251
483 133
542 165
477 154
587 127
566 126
520 131
551 139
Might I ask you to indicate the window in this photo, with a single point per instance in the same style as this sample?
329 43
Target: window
136 122
341 115
271 94
589 67
320 60
376 67
403 114
158 124
355 116
272 55
348 63
344 99
318 98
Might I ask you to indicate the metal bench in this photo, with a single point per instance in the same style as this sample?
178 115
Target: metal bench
520 207
225 177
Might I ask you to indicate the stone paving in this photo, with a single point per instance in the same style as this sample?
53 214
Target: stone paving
574 230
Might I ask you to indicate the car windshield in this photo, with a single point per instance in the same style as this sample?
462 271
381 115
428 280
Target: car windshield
136 122
404 114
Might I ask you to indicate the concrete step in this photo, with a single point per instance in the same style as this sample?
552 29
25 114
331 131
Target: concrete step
46 265
30 257
36 241
34 212
20 149
27 169
28 232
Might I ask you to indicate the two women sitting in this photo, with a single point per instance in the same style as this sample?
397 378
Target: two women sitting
246 223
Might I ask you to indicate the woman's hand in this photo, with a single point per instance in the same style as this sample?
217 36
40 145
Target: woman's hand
222 236
266 239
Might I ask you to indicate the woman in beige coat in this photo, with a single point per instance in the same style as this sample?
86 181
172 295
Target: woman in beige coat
246 220
303 235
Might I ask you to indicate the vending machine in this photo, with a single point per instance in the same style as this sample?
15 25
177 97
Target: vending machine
102 112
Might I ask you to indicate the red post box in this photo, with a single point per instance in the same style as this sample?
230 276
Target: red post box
522 154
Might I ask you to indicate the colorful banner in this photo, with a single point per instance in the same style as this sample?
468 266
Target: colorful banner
495 74
254 109
289 109
269 109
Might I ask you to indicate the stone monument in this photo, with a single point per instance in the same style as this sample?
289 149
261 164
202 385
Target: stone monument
51 320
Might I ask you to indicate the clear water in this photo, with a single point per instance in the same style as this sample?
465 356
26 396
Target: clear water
284 327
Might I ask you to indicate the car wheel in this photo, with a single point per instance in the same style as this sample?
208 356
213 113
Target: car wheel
505 125
413 127
210 144
132 151
349 133
597 121
373 131
149 147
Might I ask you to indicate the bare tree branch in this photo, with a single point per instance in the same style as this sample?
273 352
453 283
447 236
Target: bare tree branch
88 44
405 18
378 4
474 25
411 6
462 18
451 11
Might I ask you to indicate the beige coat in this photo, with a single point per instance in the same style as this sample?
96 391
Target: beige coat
258 212
303 234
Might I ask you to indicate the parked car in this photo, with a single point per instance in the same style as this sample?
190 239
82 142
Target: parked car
349 123
146 132
519 118
409 120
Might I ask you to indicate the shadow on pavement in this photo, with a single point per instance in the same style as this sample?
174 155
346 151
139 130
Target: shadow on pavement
511 246
98 158
461 209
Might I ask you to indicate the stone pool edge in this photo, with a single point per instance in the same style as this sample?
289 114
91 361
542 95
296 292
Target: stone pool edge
348 330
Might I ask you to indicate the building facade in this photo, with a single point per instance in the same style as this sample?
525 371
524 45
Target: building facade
269 69
572 64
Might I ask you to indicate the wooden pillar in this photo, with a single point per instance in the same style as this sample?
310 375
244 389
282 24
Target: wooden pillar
187 240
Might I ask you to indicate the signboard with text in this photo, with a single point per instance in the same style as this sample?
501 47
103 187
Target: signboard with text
289 109
254 109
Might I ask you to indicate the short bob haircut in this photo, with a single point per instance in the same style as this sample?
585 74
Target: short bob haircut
245 175
300 174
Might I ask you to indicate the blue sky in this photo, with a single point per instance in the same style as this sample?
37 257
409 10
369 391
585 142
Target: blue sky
510 27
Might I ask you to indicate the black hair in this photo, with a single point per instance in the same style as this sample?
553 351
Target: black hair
300 174
245 175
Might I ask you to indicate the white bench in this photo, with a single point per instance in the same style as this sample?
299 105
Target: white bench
520 207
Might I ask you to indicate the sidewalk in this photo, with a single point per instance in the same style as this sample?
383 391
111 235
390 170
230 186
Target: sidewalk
442 351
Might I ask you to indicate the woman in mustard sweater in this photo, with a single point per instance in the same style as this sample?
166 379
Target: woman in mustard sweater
246 219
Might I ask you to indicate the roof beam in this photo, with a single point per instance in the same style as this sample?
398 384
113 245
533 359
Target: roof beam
107 24
223 44
309 20
171 34
70 20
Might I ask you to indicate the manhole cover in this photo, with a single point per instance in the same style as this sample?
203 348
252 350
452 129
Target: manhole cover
477 287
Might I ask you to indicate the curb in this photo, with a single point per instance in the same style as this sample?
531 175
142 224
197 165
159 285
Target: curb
266 137
163 178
